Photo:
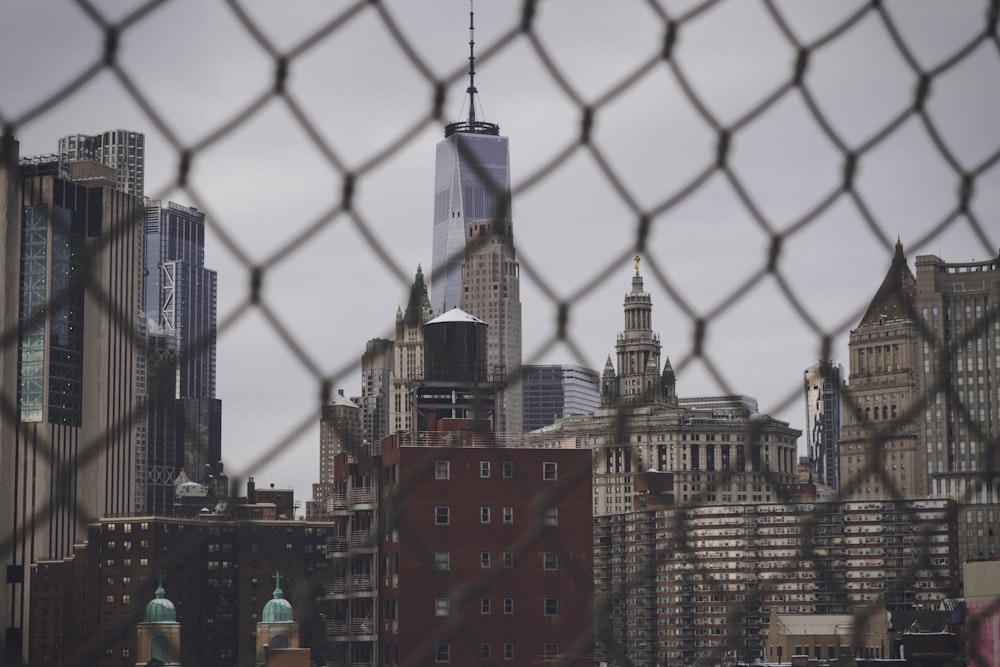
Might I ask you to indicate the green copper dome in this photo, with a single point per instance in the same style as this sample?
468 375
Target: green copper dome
277 609
160 609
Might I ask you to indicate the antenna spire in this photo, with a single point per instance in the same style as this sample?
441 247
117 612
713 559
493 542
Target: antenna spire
472 124
472 65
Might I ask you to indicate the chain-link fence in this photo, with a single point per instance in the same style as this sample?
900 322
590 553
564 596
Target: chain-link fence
762 158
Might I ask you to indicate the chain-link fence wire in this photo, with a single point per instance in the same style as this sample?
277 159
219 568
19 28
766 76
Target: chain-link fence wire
795 84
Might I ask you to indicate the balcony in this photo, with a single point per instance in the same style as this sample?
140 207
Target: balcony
362 498
336 546
356 629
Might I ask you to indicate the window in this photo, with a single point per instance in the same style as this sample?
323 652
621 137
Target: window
508 515
486 651
442 606
551 650
508 606
508 559
508 469
508 651
484 514
484 558
485 606
442 470
551 606
442 560
442 515
484 469
442 653
551 560
551 516
549 471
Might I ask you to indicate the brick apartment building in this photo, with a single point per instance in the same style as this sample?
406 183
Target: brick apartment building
218 571
471 552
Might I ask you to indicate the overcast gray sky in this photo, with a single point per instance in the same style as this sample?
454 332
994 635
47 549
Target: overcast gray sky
266 182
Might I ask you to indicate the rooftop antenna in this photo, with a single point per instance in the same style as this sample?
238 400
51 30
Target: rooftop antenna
472 65
472 125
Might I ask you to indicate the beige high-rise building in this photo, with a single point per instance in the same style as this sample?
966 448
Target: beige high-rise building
922 417
491 292
881 454
408 349
71 264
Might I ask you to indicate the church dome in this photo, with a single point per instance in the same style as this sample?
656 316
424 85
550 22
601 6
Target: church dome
160 609
277 609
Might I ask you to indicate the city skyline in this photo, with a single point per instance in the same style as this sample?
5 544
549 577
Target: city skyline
266 183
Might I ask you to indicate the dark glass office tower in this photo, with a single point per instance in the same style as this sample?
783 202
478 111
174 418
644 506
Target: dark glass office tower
179 301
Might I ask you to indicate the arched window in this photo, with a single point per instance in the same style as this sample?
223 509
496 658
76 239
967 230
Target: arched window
279 641
159 649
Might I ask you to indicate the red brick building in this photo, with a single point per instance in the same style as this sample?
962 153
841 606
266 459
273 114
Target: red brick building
455 549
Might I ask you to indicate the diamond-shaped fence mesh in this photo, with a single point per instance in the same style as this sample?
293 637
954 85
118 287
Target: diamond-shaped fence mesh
761 158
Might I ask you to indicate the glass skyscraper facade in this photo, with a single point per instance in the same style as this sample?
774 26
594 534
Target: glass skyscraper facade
179 302
472 182
551 392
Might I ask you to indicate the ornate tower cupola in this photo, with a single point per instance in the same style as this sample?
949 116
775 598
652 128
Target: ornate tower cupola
159 635
638 348
277 628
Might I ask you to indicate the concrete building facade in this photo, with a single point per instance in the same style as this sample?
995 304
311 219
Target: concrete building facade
71 265
698 585
491 292
724 456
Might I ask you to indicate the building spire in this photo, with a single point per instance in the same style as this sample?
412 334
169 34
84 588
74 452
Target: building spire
472 124
472 65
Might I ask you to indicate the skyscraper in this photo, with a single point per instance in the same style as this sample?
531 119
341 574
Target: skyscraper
472 182
823 388
71 263
491 292
179 302
880 447
921 414
474 265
